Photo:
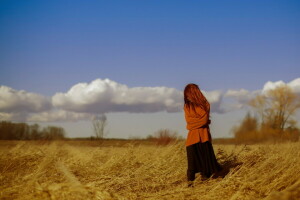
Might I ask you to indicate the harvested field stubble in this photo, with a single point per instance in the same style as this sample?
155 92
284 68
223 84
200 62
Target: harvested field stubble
65 170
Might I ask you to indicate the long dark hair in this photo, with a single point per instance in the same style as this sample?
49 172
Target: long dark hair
193 97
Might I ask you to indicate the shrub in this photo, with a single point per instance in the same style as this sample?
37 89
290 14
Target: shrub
164 136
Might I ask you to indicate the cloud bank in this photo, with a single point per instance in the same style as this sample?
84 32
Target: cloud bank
84 100
102 96
14 101
242 97
294 85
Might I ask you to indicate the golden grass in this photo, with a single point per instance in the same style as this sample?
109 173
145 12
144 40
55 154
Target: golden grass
65 170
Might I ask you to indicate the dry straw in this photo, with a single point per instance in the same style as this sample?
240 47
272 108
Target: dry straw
64 170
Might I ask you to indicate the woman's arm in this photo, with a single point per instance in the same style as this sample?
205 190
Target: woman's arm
196 121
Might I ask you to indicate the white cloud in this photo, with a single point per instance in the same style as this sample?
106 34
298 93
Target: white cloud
16 101
83 100
236 99
294 84
102 96
58 116
272 85
215 99
242 97
237 93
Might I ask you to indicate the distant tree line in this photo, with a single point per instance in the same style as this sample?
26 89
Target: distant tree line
23 131
273 119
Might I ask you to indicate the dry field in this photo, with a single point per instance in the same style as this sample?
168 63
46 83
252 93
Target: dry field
88 170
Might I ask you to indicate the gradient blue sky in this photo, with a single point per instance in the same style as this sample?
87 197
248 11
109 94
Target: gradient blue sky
48 46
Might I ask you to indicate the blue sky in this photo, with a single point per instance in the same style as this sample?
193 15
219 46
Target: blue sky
47 47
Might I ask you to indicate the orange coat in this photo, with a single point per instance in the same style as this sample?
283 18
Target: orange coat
197 124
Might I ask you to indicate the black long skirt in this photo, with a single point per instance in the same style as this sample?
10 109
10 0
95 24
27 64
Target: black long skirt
201 158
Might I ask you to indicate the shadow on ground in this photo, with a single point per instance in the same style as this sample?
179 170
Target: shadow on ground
227 162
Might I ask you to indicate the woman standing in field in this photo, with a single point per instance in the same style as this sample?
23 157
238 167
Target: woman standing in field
200 154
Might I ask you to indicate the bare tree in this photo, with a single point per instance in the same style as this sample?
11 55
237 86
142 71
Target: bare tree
276 107
259 103
99 124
